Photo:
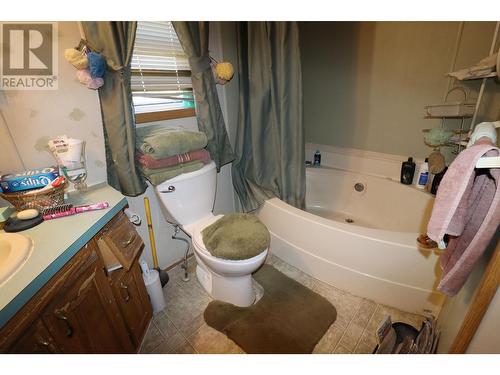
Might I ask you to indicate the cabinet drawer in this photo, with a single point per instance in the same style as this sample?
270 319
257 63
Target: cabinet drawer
120 240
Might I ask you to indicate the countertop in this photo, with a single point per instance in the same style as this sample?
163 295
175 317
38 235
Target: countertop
55 243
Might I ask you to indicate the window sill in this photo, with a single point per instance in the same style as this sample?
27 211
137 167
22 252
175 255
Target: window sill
141 118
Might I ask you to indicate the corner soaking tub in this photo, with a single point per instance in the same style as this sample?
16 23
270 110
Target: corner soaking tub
358 233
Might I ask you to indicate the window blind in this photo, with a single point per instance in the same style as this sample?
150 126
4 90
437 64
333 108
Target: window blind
161 76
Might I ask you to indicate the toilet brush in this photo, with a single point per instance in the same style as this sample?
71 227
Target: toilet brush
163 274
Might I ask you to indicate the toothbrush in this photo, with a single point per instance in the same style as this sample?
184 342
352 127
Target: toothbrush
77 210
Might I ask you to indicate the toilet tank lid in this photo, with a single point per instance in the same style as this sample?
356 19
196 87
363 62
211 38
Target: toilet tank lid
188 175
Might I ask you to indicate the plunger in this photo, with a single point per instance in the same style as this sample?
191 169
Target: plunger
163 274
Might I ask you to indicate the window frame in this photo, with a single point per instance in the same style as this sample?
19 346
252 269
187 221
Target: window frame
141 118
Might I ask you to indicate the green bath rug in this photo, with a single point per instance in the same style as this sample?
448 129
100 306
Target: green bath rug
289 318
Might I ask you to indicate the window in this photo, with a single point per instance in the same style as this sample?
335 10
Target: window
161 77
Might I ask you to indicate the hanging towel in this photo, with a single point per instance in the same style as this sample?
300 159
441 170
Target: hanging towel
467 209
483 68
484 129
162 143
148 162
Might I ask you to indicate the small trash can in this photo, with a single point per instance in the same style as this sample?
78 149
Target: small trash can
153 286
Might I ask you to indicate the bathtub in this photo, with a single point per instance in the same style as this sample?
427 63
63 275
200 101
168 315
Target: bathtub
358 233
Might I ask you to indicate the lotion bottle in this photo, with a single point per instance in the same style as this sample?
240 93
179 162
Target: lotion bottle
407 171
423 174
317 159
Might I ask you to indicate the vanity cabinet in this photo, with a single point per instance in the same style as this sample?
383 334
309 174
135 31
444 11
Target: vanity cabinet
84 308
83 317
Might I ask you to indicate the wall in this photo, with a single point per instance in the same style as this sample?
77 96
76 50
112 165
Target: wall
33 117
455 309
483 341
366 83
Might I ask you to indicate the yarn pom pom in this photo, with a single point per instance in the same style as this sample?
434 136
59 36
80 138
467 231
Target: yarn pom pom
223 72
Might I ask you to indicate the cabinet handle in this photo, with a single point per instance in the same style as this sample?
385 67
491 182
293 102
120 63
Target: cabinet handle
69 328
123 286
43 342
130 240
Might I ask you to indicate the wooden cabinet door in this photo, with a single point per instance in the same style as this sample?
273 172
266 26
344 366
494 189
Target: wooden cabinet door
36 340
133 301
83 316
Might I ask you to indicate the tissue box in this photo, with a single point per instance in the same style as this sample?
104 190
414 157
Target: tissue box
28 180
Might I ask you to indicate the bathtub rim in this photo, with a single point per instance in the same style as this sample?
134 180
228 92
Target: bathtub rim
405 239
377 176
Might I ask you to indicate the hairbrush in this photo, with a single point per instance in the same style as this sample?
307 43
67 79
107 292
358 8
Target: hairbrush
61 211
56 209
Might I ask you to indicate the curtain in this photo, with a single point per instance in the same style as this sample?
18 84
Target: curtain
115 41
194 40
270 137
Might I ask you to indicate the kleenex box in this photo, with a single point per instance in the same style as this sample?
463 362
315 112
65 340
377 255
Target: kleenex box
34 179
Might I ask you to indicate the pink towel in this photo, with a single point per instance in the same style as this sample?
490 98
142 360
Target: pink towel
467 209
149 162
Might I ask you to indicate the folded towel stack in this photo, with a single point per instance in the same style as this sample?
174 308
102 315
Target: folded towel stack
165 153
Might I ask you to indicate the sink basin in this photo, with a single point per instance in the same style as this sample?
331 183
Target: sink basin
15 249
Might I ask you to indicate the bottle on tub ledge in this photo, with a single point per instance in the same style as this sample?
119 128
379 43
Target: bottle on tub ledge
317 159
407 171
423 174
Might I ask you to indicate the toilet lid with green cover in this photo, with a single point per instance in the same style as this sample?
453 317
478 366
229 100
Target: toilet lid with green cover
236 237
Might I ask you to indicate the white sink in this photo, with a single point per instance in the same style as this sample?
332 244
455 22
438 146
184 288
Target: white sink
15 249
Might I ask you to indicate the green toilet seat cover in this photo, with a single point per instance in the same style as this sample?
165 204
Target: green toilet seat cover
236 237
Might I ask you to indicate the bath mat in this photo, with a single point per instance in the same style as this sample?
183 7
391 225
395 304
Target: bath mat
289 318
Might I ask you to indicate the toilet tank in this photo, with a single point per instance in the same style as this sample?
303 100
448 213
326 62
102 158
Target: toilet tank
188 197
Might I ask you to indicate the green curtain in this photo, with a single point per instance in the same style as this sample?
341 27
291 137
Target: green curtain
193 37
115 40
270 136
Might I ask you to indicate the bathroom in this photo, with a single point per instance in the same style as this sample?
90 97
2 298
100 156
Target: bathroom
364 100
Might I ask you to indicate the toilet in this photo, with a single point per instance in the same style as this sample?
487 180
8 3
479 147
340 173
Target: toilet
187 200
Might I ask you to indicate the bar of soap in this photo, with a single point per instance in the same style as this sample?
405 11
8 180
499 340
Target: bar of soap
27 214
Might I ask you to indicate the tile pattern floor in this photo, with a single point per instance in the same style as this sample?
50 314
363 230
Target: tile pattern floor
180 327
